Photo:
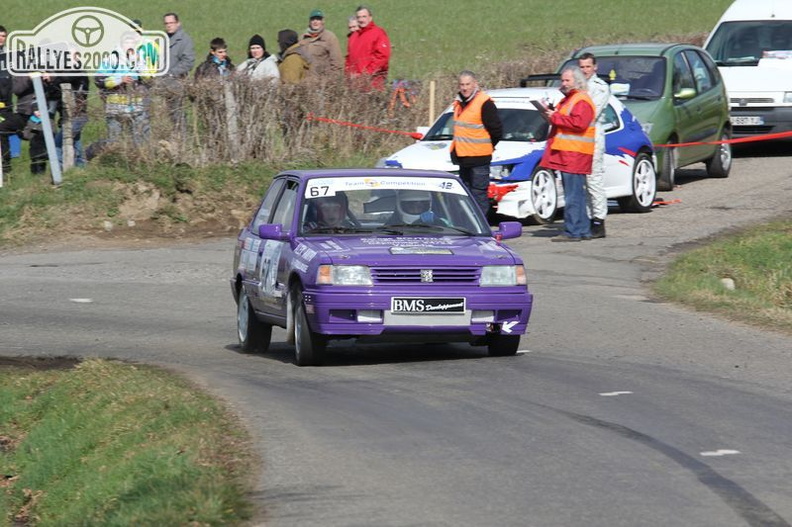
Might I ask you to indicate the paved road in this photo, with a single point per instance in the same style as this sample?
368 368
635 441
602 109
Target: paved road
620 410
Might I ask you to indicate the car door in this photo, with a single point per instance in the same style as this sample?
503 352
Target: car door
249 261
276 255
694 113
616 172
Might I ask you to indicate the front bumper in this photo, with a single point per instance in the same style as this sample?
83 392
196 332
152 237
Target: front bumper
487 311
760 120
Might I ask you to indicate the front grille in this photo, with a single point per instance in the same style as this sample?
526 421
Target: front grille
751 100
413 275
752 129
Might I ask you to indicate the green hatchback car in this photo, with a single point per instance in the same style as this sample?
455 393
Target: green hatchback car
679 97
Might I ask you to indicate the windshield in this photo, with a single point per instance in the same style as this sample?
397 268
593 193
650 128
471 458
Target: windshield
743 43
518 125
389 205
631 77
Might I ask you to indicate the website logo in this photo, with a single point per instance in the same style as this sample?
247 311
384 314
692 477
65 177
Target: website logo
88 41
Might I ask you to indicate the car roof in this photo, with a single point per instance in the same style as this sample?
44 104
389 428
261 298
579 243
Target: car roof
530 92
750 10
633 48
363 172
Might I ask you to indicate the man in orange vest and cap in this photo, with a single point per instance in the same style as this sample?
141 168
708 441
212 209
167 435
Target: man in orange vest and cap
477 129
570 150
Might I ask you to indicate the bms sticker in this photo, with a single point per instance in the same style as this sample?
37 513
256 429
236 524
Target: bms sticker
270 256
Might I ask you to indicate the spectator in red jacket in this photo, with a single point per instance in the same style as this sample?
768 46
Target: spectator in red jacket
368 52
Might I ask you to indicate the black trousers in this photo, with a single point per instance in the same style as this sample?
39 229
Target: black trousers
13 124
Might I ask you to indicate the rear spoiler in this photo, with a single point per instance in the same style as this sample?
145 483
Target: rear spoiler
547 77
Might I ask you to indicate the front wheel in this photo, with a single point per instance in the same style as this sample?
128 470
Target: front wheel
719 165
500 345
644 186
254 335
544 195
309 347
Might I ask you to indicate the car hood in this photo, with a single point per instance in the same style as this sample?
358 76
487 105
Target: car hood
436 155
412 250
771 75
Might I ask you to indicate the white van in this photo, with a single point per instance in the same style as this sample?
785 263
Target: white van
752 46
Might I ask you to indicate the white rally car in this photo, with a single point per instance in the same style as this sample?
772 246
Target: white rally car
518 186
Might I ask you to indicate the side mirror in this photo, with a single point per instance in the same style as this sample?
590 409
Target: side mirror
508 229
685 93
274 231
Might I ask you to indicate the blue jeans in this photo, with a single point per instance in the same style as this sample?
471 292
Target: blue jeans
79 158
576 221
476 179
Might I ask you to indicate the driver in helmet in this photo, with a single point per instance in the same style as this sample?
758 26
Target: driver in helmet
330 213
414 207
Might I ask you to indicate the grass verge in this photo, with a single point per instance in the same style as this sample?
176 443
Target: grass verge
109 443
755 261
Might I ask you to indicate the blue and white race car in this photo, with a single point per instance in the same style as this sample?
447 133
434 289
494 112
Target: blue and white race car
521 189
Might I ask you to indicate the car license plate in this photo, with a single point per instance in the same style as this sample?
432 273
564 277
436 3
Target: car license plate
747 120
410 305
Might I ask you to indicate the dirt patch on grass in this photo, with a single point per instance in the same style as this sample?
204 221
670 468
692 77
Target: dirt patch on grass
39 363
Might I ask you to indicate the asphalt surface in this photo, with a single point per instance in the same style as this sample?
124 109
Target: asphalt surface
619 410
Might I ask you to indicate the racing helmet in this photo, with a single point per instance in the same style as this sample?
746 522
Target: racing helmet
411 204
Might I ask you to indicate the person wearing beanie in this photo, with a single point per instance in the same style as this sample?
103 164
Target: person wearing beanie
294 63
260 64
322 47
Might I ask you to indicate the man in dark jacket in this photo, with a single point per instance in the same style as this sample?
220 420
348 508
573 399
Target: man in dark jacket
217 63
181 61
477 129
9 123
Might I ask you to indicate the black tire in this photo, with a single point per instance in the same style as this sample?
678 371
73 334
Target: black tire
500 345
667 176
254 335
719 165
309 347
644 186
544 196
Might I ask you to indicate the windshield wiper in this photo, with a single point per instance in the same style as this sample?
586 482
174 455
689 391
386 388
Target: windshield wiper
338 230
444 137
641 97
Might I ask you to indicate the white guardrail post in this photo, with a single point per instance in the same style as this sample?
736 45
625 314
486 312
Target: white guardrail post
46 128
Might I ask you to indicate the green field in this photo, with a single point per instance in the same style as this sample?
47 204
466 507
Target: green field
426 36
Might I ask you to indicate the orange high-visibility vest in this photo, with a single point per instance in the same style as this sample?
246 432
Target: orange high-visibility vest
471 139
582 142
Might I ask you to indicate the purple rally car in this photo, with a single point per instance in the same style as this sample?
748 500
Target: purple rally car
377 255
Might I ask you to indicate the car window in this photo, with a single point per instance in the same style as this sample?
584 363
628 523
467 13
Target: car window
442 130
265 210
383 205
631 77
744 42
610 119
701 74
284 210
518 125
683 77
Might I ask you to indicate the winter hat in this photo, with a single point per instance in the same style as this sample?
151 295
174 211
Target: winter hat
257 40
286 39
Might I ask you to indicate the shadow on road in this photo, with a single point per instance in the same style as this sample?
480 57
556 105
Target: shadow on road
347 353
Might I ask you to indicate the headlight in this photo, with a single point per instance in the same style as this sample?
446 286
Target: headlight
500 171
343 275
647 128
788 97
502 275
